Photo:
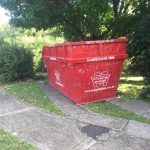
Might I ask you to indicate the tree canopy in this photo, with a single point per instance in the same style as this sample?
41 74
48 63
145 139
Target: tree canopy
78 19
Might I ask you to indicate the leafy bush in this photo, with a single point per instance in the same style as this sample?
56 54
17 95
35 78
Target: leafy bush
30 39
145 93
140 47
15 63
139 50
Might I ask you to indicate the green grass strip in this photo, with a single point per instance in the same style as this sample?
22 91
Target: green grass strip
115 111
10 142
31 93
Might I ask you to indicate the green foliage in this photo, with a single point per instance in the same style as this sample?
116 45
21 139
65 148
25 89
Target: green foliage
78 19
135 25
30 39
145 93
10 142
115 111
140 47
31 93
126 15
126 68
130 87
15 63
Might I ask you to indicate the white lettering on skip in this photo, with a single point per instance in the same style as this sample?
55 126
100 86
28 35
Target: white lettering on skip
100 58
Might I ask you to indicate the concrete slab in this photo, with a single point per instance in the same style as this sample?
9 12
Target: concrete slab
123 143
137 106
62 101
9 103
85 145
138 129
47 132
102 120
79 112
52 132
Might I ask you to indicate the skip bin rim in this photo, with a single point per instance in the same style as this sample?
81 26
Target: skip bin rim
124 40
86 60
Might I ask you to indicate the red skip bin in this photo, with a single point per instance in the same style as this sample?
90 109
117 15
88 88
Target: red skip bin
86 71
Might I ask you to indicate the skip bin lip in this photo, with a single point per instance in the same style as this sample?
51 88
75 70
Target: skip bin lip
125 40
84 60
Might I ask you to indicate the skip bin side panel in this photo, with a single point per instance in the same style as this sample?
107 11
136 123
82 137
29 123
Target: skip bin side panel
100 81
62 77
84 83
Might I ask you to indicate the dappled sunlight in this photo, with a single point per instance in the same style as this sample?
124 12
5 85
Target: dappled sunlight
135 78
130 87
129 91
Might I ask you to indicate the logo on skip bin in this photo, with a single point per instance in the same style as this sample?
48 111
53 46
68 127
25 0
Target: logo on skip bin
100 79
58 78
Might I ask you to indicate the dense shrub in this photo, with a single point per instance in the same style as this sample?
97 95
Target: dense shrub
139 51
15 63
30 39
140 47
145 93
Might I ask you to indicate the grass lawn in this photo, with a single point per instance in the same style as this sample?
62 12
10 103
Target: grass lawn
115 111
31 93
9 142
129 88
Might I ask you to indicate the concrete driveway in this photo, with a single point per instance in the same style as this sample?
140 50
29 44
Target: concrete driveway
80 130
